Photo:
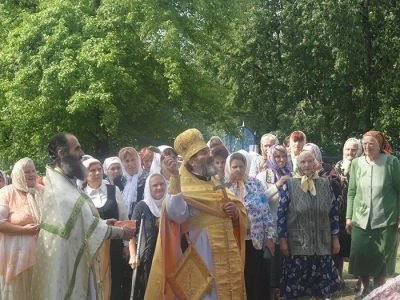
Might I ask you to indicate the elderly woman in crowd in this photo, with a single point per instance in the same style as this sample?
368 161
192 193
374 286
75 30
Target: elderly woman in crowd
3 179
147 213
108 201
158 165
297 141
308 228
131 183
258 163
20 217
272 178
325 170
112 168
214 141
352 148
250 191
373 202
219 155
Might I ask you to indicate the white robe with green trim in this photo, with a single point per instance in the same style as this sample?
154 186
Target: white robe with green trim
70 237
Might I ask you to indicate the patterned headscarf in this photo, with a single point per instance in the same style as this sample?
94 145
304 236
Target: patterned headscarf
19 182
383 143
316 150
271 163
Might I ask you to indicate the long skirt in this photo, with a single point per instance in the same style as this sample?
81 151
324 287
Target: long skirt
17 289
373 251
255 289
273 268
314 275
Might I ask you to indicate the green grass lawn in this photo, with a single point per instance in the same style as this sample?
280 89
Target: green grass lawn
348 293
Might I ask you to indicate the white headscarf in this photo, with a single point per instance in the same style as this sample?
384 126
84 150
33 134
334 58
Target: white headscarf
347 163
130 189
239 188
214 137
153 204
248 159
110 161
156 163
35 201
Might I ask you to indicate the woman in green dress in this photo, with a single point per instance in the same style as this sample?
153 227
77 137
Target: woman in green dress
372 218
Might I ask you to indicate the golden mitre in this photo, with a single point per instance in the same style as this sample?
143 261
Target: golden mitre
189 142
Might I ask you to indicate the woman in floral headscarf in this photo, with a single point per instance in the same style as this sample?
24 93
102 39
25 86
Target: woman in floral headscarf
19 226
373 203
272 178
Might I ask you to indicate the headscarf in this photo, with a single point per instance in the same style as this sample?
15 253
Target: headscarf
90 161
35 201
156 163
307 181
130 190
383 143
271 163
153 204
214 137
345 162
316 151
248 159
239 187
4 177
110 161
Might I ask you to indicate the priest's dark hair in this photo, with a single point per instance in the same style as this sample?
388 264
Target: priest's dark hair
56 143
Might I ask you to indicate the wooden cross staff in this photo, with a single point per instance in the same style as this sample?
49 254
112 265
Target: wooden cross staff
223 186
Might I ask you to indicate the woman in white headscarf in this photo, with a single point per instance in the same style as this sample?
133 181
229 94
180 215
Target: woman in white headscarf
20 217
108 201
112 167
214 141
147 214
131 183
250 192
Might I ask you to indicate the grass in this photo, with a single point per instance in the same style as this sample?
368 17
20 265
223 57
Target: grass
348 293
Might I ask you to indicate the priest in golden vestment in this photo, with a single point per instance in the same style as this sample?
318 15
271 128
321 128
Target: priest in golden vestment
205 221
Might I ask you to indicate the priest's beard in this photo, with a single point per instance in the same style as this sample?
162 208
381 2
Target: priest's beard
207 170
73 167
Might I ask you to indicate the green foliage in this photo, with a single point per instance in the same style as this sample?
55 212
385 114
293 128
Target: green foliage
113 74
118 73
326 67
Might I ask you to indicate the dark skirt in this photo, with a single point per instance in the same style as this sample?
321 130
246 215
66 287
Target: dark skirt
345 244
312 276
273 268
373 251
255 288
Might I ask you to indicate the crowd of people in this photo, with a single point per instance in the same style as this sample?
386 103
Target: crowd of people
193 221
